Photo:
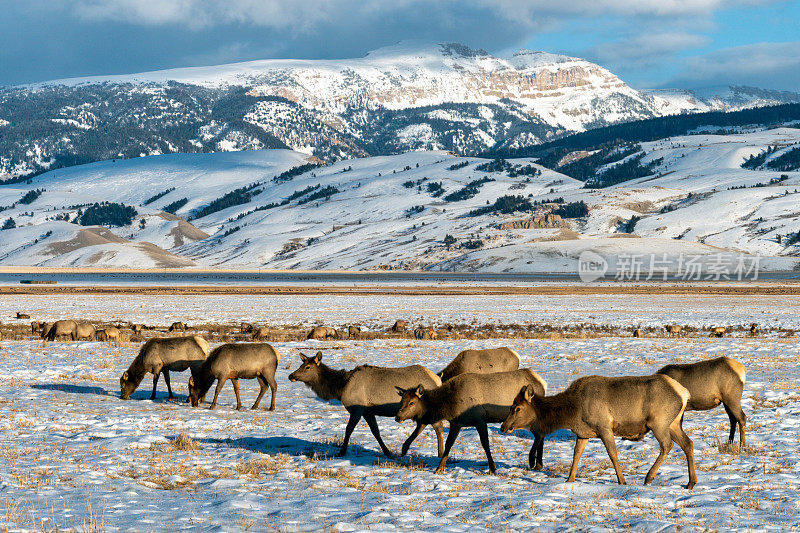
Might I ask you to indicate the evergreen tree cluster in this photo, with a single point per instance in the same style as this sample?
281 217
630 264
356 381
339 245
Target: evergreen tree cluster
107 214
789 160
239 196
325 192
505 204
468 191
572 210
435 188
174 206
31 196
290 174
157 196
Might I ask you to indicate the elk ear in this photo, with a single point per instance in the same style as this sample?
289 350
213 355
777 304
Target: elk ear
419 391
191 381
304 357
527 392
400 390
318 358
125 375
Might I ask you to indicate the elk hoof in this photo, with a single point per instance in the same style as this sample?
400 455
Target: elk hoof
691 484
538 466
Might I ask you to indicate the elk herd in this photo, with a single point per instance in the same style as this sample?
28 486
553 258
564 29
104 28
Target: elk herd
478 388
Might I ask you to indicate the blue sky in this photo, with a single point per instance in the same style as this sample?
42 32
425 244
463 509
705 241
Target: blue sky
648 43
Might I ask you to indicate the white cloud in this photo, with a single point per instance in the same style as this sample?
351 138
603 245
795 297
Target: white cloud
770 65
644 51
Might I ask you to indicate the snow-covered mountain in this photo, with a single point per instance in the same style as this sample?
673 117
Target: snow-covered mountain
282 209
412 96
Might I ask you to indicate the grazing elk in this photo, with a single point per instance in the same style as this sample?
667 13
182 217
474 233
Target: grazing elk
399 326
322 333
44 329
367 391
753 329
163 355
673 329
236 361
354 332
481 362
84 331
427 334
107 335
36 327
712 382
261 334
637 333
245 327
177 326
597 406
471 400
137 328
719 331
61 329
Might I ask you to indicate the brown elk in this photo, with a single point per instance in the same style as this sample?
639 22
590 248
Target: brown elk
61 329
236 361
84 331
107 335
354 332
637 333
753 329
470 400
673 329
23 316
719 331
425 334
399 326
712 382
261 334
245 327
323 333
481 362
367 391
597 406
177 326
159 355
36 327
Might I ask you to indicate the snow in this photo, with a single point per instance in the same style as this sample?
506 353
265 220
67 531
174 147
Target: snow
77 457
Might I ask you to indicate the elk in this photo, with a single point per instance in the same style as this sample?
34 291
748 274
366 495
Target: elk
471 400
162 355
673 329
137 328
36 327
23 316
61 329
323 333
719 331
107 334
425 334
481 362
399 326
253 360
245 328
598 406
84 331
261 334
177 326
367 391
710 383
637 333
354 332
753 329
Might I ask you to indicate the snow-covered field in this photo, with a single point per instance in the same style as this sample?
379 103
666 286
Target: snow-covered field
75 456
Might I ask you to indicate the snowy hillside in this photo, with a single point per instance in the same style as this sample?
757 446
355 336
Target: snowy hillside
411 96
409 211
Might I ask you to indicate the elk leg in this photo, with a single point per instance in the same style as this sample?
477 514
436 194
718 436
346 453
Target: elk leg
220 383
452 434
373 426
235 382
273 385
665 443
611 447
355 416
535 455
580 445
683 440
437 427
155 382
737 416
483 433
262 382
167 381
411 438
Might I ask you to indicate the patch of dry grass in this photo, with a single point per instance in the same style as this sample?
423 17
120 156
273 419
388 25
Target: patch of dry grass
184 443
